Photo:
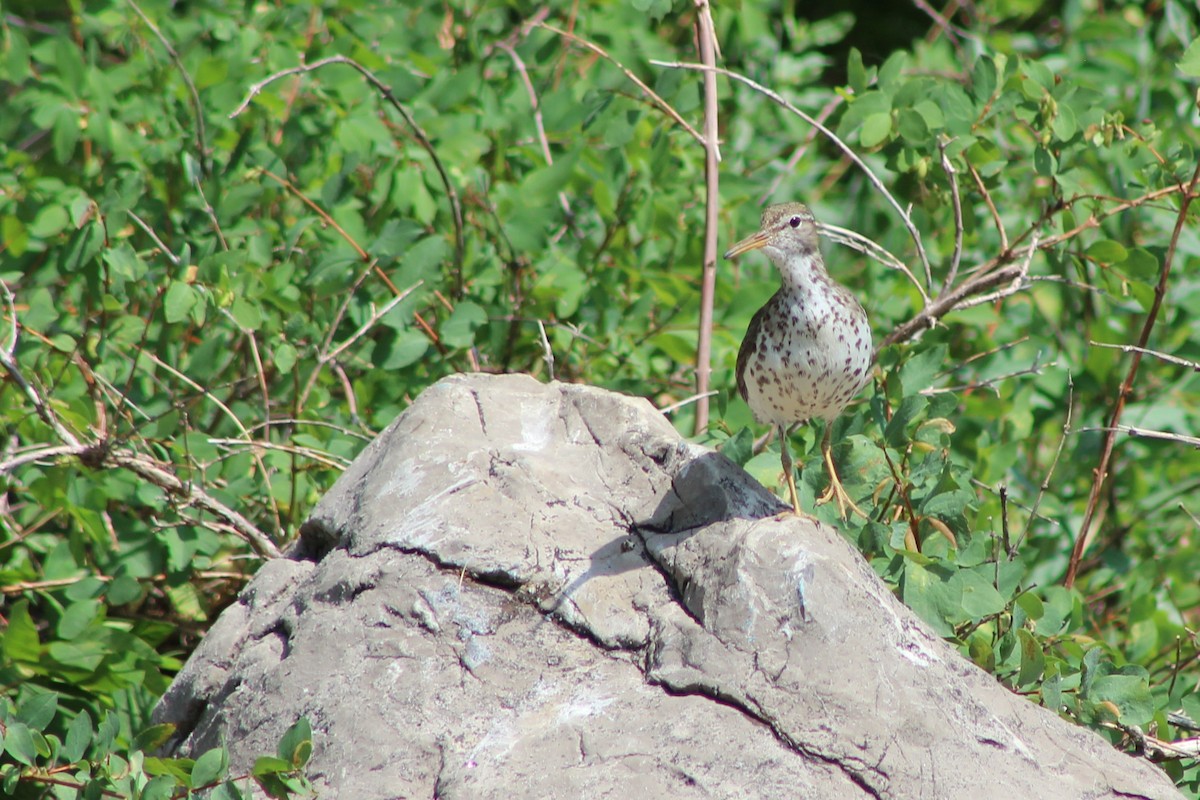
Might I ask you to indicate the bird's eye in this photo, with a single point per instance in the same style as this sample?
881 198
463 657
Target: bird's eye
794 222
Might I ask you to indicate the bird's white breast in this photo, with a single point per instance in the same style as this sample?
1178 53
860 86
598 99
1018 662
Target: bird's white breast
812 356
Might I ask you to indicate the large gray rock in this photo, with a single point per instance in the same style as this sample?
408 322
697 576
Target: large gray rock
528 590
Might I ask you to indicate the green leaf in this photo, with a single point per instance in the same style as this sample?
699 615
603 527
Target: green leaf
247 314
856 73
38 710
296 745
423 260
400 349
107 731
918 372
1106 251
269 765
84 654
876 129
153 737
210 767
79 736
18 743
178 768
1129 693
1032 605
1059 607
1141 265
896 433
1044 162
1189 65
179 301
979 598
1033 661
1191 706
459 329
185 599
1052 692
49 222
739 448
929 592
539 187
76 619
123 589
912 127
286 357
226 791
20 641
159 788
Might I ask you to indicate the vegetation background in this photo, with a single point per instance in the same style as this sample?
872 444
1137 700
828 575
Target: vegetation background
236 239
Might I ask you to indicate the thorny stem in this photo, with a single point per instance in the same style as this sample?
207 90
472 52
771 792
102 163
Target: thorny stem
1101 472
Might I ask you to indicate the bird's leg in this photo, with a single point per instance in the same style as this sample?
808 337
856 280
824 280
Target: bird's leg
786 458
835 491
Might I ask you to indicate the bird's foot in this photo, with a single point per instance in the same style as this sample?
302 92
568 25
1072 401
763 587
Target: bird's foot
802 515
837 492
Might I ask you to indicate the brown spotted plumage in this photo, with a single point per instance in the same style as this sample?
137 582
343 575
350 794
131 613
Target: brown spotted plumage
807 352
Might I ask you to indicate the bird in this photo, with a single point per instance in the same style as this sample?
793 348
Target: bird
808 351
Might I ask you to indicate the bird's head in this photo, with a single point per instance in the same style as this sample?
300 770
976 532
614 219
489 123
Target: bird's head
786 231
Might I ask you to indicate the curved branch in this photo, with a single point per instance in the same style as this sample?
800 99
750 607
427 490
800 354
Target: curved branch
418 132
833 137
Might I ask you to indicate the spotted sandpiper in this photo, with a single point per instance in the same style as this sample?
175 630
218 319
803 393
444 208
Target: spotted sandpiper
807 352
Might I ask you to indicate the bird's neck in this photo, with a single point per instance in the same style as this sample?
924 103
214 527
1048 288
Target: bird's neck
800 272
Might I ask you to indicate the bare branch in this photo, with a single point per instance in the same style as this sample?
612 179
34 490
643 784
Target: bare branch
650 93
370 323
956 199
547 352
1160 291
193 95
418 132
706 36
856 241
833 137
538 124
1170 359
671 409
161 476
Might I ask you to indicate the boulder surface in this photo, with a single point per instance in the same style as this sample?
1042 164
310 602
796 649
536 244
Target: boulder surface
529 590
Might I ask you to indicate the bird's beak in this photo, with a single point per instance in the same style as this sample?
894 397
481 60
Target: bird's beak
751 242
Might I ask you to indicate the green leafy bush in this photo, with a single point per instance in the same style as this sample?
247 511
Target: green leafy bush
237 240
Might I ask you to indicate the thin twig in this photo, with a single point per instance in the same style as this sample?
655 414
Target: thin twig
538 124
650 93
694 398
1170 359
161 476
193 95
825 113
212 214
1160 291
174 259
856 241
706 36
1146 433
1012 274
311 453
952 177
9 362
987 200
418 132
45 454
833 137
370 323
989 383
1045 484
547 352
